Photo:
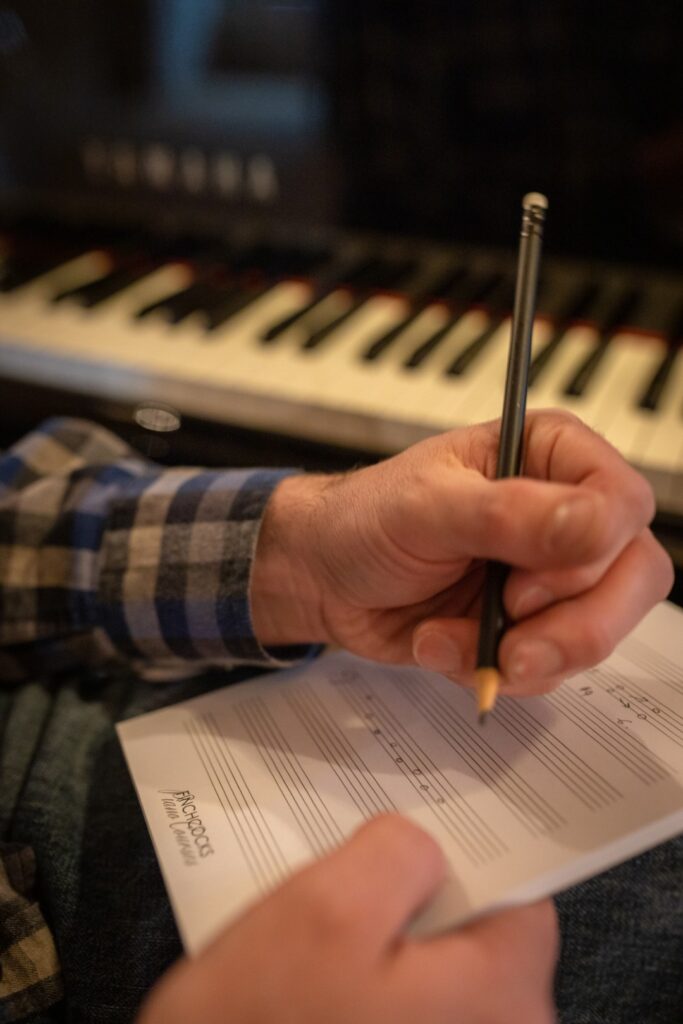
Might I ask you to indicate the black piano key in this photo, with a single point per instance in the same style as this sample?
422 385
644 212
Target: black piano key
273 332
216 268
231 304
179 305
622 310
440 291
381 344
499 308
316 338
103 288
652 394
579 308
464 359
353 276
268 266
478 289
389 275
218 271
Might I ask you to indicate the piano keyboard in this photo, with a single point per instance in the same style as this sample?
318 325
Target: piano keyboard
363 344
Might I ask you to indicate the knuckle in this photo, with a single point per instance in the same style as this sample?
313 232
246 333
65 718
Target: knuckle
597 529
564 418
577 580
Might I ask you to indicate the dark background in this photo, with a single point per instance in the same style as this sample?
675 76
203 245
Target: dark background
430 118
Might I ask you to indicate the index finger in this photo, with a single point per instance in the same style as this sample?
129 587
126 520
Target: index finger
578 501
560 448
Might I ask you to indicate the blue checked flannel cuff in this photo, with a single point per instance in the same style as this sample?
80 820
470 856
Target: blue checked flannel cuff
101 548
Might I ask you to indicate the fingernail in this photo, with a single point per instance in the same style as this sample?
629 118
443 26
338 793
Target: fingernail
532 600
437 652
535 659
571 522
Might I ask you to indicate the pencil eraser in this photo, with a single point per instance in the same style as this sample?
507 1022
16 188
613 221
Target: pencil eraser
532 199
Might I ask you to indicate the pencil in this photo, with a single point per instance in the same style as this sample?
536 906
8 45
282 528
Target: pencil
493 620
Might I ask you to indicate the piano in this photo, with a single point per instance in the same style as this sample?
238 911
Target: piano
279 287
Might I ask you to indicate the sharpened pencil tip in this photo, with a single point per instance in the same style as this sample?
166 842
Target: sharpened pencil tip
488 680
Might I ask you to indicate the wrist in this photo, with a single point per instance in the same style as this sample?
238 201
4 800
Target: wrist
285 587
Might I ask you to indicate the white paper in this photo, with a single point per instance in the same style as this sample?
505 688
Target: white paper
243 785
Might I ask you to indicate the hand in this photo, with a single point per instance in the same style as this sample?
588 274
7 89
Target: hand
329 946
387 561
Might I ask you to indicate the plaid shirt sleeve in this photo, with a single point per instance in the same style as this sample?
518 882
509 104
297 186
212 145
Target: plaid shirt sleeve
103 554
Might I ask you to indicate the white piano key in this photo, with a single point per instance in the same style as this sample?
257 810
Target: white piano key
385 387
184 352
596 404
69 324
660 441
324 312
65 345
618 418
331 374
424 394
489 373
547 391
233 358
73 273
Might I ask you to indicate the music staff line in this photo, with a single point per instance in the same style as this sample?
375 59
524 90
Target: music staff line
265 842
476 839
309 810
569 769
620 745
521 800
363 789
590 788
250 851
653 662
633 698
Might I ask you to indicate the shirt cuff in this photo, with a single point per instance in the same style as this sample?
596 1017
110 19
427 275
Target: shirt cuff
177 555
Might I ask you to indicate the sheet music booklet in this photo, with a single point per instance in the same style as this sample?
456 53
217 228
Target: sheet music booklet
243 785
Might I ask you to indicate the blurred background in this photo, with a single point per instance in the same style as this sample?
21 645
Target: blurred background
243 230
430 118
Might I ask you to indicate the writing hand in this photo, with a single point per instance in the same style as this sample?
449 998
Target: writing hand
329 946
387 561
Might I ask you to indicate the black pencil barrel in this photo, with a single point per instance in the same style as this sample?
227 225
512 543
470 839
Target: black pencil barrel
514 402
493 618
510 450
